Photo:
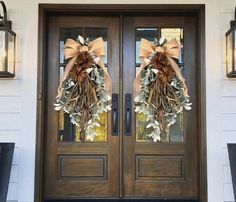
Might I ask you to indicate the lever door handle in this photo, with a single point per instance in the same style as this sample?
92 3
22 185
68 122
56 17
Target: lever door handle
114 114
128 114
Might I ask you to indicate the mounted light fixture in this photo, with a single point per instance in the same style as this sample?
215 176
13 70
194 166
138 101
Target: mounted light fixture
7 46
231 49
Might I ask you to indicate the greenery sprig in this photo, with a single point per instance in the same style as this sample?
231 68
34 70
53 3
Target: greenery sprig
161 98
83 95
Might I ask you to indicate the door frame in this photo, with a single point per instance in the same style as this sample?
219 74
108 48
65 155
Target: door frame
47 10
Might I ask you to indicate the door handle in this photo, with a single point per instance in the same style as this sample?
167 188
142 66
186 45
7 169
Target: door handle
114 114
128 114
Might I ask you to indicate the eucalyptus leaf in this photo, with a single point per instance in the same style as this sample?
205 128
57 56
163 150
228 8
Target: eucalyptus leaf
89 70
81 40
162 41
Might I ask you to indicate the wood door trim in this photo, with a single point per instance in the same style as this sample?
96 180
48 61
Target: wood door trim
46 10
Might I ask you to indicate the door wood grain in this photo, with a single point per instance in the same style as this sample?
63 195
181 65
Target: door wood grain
162 170
79 170
121 167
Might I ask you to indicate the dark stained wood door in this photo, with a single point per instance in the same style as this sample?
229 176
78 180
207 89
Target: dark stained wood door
166 169
127 164
76 167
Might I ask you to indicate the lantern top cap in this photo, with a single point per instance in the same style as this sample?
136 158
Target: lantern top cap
4 23
233 22
4 17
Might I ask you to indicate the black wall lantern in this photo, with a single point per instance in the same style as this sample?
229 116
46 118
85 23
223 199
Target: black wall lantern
231 49
7 46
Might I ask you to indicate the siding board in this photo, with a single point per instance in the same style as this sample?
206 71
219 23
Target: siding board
228 87
225 157
12 191
14 178
10 87
11 122
228 193
228 137
10 104
228 105
228 122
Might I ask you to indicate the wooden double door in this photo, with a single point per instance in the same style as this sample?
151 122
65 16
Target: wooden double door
122 161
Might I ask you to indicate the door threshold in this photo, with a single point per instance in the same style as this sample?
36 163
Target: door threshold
125 200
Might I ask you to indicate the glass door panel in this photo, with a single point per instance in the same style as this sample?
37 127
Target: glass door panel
74 166
166 168
68 132
175 132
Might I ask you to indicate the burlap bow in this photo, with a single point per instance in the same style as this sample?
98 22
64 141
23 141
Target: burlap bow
170 49
95 48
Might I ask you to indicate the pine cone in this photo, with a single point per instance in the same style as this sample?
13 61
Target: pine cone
166 74
84 60
160 62
78 72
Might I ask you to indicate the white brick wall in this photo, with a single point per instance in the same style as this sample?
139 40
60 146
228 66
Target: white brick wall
18 96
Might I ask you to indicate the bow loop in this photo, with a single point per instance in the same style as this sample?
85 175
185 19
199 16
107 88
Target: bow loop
71 48
148 49
170 48
96 48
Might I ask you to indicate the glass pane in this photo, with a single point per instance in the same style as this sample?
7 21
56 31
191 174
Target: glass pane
177 130
11 53
149 33
101 131
175 133
2 50
95 32
141 130
234 49
65 34
229 51
66 130
170 33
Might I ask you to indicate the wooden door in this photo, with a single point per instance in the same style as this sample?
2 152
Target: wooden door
74 166
166 169
122 163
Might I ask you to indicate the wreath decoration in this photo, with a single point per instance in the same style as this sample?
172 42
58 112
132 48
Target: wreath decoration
159 88
85 89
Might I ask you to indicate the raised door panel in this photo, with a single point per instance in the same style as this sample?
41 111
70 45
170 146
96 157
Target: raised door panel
166 168
75 166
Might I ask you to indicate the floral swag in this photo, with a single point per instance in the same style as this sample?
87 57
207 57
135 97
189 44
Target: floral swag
159 87
85 89
160 91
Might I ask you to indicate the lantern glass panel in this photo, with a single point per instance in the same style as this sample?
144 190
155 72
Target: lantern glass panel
235 50
2 51
229 52
11 53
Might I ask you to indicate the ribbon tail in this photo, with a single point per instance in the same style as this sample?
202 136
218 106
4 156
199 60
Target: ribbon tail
68 67
107 78
179 74
137 82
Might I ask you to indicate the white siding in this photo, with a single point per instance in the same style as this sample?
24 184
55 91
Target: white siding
18 96
228 102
